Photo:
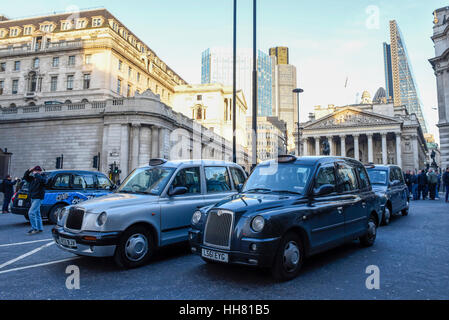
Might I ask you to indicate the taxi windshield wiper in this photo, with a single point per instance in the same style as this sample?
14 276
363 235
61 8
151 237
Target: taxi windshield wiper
258 190
287 191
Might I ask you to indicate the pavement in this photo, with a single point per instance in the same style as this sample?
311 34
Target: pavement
412 256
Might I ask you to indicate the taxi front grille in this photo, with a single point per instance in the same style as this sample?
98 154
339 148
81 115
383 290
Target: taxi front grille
75 218
218 229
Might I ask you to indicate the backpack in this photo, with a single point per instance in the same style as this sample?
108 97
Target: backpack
2 186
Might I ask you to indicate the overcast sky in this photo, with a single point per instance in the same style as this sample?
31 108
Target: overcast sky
329 40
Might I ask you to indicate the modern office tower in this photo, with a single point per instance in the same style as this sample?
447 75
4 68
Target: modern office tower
399 77
217 66
440 64
284 100
281 54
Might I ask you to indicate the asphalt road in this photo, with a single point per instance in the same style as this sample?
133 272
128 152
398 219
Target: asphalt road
412 255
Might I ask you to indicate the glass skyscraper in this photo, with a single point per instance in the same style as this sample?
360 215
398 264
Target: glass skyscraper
216 67
399 80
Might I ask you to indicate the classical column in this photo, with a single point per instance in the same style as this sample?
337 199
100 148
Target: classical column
343 145
370 147
104 149
124 151
356 147
162 144
398 149
144 146
384 148
330 140
415 152
155 142
305 146
135 145
317 146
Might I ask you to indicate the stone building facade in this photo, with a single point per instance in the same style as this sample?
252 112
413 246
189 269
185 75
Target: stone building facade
377 133
211 106
127 132
440 64
77 57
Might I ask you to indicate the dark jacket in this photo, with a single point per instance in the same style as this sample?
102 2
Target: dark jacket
446 178
414 178
422 179
36 188
8 186
408 178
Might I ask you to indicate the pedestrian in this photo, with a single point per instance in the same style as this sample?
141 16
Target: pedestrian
36 190
422 183
408 182
432 183
446 183
414 182
439 184
8 192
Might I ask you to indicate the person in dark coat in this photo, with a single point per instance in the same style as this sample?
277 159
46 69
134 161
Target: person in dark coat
408 180
8 192
446 183
422 184
414 183
36 192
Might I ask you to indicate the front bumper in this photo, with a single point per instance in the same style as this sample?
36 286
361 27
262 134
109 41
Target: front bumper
262 257
103 244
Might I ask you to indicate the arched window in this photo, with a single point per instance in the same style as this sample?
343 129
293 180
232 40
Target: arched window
12 105
84 100
67 102
199 114
31 104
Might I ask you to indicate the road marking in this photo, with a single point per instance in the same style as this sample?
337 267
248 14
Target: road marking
20 243
23 256
39 265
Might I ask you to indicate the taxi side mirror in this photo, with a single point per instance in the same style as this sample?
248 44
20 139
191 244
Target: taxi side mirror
177 191
324 190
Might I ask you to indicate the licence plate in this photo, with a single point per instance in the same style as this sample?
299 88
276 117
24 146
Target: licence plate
67 242
23 196
214 255
20 203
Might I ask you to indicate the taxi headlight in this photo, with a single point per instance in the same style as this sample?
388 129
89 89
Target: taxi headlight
101 220
258 223
196 217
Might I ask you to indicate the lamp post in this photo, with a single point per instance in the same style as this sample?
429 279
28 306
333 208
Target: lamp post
234 87
298 91
254 122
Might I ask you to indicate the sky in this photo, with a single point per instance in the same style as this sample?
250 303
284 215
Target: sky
329 41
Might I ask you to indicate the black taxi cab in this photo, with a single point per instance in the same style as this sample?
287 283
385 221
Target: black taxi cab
288 209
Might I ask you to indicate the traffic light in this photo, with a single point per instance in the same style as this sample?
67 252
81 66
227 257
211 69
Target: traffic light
60 162
96 162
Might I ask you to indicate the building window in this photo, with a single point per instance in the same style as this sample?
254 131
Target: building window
66 26
199 97
80 24
2 85
119 86
120 63
138 76
55 62
130 72
71 60
15 86
128 92
97 22
3 67
86 81
88 59
16 65
70 82
14 32
54 84
27 30
36 63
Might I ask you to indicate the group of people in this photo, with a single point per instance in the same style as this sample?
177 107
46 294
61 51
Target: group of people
36 191
427 183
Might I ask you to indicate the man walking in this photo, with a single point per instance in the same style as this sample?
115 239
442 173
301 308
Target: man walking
8 192
422 183
446 183
433 180
408 181
414 182
36 192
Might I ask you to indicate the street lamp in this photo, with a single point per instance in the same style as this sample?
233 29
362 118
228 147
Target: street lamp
234 87
254 115
298 91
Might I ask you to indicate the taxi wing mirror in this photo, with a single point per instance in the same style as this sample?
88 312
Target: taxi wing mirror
324 190
239 187
177 191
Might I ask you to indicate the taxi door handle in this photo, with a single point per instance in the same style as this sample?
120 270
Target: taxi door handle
340 210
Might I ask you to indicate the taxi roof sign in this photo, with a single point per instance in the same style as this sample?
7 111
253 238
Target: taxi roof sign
157 162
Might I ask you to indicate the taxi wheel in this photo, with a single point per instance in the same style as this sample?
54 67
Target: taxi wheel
135 248
386 216
370 237
53 214
405 211
289 258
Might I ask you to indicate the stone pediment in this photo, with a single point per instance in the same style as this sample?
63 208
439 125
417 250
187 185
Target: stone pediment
351 117
149 95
